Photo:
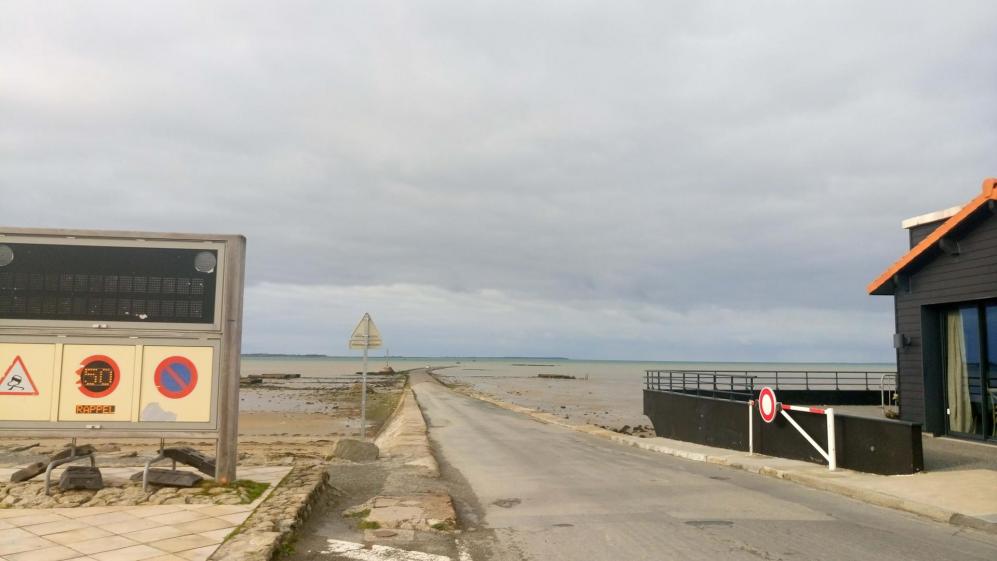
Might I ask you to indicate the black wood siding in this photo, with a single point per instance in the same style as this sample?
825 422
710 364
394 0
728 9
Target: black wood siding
941 279
918 233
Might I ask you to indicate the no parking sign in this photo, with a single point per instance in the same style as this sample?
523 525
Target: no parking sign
176 377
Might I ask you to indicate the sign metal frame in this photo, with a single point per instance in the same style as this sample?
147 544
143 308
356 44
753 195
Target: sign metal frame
223 335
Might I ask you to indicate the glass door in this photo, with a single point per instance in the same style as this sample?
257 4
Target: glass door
990 378
970 335
965 391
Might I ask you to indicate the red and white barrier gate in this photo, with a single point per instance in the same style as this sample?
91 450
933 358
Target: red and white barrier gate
767 407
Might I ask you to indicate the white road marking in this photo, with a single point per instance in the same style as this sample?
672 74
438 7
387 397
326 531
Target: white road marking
462 553
338 546
359 552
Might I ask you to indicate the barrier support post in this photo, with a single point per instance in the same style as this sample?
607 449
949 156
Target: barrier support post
751 427
832 454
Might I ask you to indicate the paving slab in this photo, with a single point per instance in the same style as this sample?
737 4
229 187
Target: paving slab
126 533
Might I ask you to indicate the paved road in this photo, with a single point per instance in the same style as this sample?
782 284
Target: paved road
540 492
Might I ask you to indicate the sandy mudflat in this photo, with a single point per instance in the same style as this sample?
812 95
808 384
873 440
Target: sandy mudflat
598 401
279 422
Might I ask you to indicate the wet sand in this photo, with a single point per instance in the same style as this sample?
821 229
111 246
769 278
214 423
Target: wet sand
311 406
608 394
605 402
280 422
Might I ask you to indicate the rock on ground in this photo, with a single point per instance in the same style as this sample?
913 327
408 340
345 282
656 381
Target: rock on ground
356 450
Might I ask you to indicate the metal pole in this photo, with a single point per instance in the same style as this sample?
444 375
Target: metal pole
832 453
751 427
363 384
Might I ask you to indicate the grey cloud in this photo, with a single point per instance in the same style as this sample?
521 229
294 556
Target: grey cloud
674 156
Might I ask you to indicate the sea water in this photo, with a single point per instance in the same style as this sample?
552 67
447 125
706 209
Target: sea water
605 392
615 370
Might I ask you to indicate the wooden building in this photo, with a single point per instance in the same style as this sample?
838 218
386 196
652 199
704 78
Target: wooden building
945 297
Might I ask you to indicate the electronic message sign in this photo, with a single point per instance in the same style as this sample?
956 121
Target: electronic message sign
47 282
121 334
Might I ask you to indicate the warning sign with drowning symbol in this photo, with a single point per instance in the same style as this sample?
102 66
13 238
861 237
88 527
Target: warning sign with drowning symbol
99 376
176 377
17 380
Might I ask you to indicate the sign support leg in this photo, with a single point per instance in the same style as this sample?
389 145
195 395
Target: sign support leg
832 451
229 368
751 427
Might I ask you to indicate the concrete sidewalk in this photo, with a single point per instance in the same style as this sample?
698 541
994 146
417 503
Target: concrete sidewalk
181 532
961 497
404 435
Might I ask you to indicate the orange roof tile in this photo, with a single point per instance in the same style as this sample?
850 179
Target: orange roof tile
989 194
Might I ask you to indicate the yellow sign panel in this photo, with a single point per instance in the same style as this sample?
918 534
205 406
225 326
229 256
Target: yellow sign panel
97 383
26 381
176 384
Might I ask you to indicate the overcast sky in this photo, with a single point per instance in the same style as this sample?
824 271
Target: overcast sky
632 180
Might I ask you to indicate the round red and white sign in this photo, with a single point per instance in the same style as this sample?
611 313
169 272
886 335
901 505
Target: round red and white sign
767 405
99 376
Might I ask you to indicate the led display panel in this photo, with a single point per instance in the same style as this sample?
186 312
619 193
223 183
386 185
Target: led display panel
101 283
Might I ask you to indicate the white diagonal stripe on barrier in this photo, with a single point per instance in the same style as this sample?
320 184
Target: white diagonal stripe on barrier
806 436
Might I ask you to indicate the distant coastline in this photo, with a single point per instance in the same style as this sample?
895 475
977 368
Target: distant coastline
283 355
293 355
541 360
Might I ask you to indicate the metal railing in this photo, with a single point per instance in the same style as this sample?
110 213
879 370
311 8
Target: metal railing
734 386
742 384
888 392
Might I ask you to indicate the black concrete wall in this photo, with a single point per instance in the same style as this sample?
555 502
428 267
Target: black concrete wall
871 445
704 420
831 397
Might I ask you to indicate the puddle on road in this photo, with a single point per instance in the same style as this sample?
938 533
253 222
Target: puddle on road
708 523
507 503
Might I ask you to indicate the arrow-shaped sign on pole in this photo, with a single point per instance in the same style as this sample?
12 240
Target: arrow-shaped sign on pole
365 336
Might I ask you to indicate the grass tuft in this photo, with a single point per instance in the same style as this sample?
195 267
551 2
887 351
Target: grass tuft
253 489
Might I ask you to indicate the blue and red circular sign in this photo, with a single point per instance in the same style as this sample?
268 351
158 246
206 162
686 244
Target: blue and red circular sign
176 377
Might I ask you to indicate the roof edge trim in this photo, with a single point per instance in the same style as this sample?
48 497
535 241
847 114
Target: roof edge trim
930 217
989 193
